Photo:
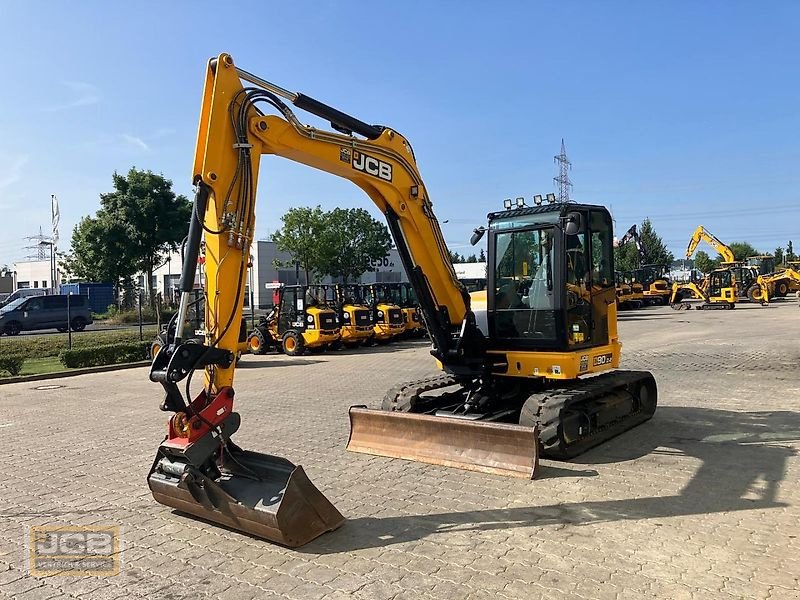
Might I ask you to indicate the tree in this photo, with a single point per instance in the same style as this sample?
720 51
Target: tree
790 255
655 252
455 257
137 225
704 263
626 258
482 256
779 255
472 258
741 250
351 241
301 236
100 251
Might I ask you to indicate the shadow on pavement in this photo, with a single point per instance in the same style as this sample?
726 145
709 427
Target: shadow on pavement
742 464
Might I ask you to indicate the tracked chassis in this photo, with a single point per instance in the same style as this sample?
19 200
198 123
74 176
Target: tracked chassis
569 417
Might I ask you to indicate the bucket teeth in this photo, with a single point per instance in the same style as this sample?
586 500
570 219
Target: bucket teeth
262 495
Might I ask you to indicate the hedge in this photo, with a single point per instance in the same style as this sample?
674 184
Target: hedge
12 363
42 346
108 354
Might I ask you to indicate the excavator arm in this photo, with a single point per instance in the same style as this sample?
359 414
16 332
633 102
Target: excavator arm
235 132
632 235
701 234
198 469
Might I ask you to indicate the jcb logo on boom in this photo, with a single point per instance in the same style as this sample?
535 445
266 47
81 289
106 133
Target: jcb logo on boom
372 166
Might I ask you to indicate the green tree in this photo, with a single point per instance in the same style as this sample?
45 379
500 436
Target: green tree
351 241
790 255
626 258
655 252
704 263
741 250
137 226
301 235
455 257
779 255
482 256
472 258
100 251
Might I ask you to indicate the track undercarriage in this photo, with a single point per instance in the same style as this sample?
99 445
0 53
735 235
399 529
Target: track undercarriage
567 417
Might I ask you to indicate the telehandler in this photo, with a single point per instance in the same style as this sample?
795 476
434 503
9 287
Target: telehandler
514 373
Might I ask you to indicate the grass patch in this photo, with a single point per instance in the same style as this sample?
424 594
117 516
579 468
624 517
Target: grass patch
39 366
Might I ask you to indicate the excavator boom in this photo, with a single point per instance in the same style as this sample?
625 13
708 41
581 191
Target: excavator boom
701 234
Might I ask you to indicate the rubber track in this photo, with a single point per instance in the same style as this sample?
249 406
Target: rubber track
544 409
401 397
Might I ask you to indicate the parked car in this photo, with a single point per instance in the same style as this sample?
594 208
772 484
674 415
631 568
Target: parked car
23 293
45 312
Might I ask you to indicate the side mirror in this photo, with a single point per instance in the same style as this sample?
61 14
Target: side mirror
573 223
477 234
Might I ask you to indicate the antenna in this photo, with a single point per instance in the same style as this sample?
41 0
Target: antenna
563 182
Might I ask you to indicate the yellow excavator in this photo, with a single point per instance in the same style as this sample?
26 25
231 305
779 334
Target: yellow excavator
514 368
743 277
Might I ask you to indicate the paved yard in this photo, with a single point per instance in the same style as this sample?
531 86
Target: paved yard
700 502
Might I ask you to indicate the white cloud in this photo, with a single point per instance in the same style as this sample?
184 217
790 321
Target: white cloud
12 171
136 141
85 94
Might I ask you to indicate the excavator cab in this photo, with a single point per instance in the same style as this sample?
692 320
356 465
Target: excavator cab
551 318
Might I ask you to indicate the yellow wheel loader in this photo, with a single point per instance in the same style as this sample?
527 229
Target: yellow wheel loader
355 317
402 294
516 365
387 317
303 320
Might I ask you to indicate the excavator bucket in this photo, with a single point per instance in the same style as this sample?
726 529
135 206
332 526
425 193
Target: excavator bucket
484 446
262 495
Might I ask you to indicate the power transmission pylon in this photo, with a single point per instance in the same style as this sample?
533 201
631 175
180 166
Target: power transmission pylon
563 182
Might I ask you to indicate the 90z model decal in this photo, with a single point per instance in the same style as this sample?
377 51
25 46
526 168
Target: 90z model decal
603 359
372 166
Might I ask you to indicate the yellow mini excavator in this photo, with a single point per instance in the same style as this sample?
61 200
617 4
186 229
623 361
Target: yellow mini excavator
744 277
514 365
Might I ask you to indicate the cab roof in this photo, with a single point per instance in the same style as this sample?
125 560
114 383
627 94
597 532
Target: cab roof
562 208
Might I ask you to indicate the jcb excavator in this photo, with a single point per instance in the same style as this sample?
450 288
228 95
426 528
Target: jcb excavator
720 292
509 385
744 277
652 279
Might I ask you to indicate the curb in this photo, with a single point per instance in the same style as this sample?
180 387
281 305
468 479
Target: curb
73 372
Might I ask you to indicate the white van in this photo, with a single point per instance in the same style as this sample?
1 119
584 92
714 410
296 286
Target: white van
24 293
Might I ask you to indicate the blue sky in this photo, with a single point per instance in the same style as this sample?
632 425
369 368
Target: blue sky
687 112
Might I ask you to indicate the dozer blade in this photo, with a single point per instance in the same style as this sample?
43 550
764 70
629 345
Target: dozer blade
262 495
484 446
